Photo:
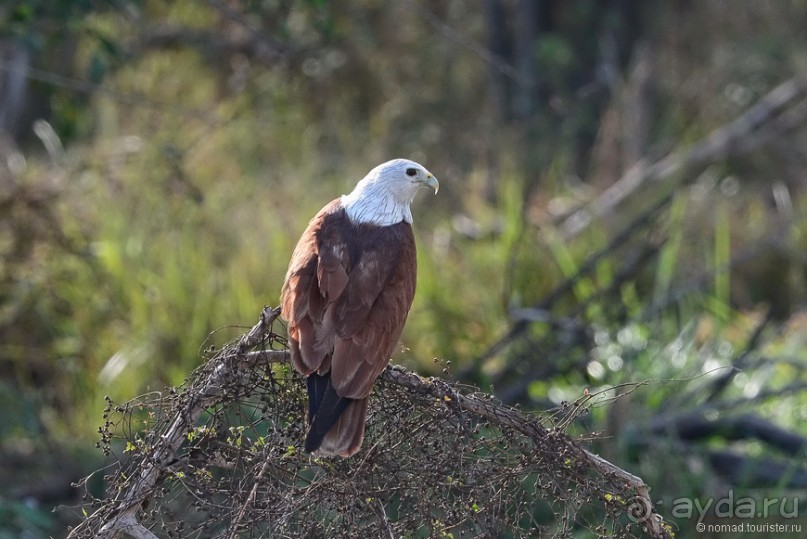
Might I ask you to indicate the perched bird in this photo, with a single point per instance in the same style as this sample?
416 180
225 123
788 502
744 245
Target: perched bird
348 290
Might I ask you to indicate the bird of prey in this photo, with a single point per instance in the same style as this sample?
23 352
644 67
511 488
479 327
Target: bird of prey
347 293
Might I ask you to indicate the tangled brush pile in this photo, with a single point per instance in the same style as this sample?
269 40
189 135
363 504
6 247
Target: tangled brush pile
221 457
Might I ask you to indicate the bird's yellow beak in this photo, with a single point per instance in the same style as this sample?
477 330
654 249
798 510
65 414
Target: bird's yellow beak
432 182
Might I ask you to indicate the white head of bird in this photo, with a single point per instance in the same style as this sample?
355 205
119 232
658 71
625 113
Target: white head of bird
384 196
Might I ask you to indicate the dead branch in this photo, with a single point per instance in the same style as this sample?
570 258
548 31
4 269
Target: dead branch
741 469
502 415
741 134
694 426
222 378
128 503
523 318
721 383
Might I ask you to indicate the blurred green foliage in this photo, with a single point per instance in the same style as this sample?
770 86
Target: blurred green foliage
192 163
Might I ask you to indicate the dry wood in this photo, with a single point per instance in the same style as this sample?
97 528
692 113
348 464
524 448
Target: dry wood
123 517
742 133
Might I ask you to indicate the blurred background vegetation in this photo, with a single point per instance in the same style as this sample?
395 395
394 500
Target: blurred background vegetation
622 201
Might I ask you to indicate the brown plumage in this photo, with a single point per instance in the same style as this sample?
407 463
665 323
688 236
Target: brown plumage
347 294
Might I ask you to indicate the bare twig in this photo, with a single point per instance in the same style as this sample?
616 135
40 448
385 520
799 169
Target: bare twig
522 324
502 415
465 41
234 532
129 525
722 382
378 509
223 372
127 504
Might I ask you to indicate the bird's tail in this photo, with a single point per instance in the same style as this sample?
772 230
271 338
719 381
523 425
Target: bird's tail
336 424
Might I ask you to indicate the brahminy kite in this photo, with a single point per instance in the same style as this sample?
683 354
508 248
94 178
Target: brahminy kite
348 290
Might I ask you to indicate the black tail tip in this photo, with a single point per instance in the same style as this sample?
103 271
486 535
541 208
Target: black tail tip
313 440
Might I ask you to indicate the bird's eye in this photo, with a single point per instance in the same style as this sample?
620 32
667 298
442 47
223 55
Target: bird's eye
411 172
